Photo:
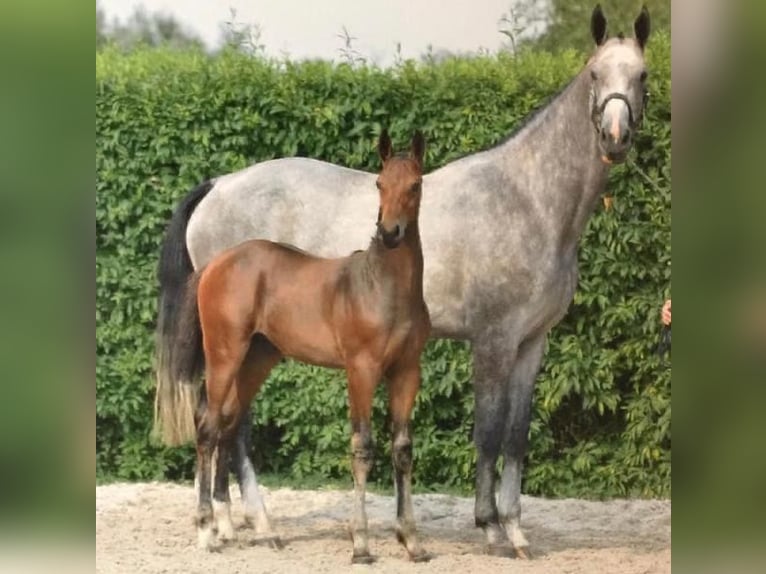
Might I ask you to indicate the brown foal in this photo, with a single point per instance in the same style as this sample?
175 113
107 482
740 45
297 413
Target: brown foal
365 313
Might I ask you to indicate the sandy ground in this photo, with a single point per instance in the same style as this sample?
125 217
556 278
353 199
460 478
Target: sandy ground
148 528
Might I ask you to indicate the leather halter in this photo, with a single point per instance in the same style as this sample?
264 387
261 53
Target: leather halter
597 113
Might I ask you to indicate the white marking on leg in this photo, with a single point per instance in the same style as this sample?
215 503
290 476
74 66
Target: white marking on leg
509 504
359 522
255 509
206 537
222 513
495 535
513 528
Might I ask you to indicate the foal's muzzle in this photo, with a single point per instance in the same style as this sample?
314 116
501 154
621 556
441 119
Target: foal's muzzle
391 238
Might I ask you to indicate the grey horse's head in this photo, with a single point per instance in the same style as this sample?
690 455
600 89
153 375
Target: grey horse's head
618 85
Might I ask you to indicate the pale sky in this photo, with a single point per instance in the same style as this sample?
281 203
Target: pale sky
306 28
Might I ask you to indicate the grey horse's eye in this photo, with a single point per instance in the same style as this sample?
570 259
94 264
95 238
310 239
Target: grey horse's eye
593 75
643 76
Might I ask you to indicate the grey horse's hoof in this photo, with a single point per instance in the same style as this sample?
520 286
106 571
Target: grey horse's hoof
523 553
502 550
421 556
362 558
273 542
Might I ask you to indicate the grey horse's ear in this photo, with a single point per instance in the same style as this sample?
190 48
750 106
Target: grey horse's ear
642 26
418 147
384 145
598 25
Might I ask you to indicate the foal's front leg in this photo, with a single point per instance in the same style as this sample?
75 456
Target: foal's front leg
362 380
403 389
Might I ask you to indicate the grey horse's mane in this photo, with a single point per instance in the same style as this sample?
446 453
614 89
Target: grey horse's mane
528 119
534 115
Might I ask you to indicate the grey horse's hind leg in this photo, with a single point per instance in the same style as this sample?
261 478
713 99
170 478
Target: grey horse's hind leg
520 395
491 366
256 515
261 357
240 459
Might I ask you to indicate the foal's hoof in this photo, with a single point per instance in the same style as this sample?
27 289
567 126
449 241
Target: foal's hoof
209 545
362 558
418 555
225 532
522 553
206 539
502 550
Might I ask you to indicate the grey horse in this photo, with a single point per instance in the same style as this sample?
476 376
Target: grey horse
500 230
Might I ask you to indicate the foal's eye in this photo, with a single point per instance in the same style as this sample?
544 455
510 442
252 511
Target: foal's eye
415 188
377 184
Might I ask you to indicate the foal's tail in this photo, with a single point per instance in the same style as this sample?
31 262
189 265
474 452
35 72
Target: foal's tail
179 358
178 386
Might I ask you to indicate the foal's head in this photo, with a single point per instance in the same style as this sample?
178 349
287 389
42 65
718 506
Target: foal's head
399 183
618 84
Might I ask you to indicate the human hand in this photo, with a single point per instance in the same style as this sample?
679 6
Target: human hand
665 315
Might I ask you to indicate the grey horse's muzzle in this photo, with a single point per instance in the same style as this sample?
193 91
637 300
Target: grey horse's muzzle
615 123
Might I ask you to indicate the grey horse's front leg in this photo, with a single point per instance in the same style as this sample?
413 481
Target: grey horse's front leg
516 435
490 370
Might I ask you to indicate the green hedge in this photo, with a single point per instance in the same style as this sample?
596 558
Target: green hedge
167 120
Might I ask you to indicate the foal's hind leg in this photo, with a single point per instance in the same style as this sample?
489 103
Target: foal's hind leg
215 422
221 499
403 388
205 445
207 438
363 377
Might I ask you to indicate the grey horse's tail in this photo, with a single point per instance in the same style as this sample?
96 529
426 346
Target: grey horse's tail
179 358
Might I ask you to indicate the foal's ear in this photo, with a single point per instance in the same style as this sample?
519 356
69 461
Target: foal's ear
418 147
384 145
598 25
642 27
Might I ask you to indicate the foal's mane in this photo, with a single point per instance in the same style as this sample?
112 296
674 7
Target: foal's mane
373 248
292 247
